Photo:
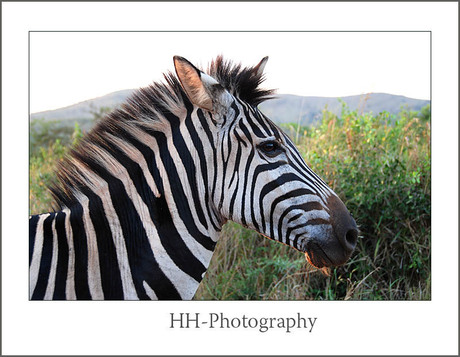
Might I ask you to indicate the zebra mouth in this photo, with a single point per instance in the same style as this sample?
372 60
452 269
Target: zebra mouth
316 255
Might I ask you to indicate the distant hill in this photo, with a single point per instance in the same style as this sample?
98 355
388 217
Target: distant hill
84 110
286 108
308 110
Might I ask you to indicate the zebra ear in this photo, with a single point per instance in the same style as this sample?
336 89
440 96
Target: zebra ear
202 90
259 69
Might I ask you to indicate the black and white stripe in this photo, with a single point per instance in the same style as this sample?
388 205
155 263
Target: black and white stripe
142 199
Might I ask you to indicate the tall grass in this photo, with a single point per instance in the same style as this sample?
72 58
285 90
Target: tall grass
378 164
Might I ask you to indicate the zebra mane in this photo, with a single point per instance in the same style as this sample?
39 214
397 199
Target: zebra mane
148 108
241 82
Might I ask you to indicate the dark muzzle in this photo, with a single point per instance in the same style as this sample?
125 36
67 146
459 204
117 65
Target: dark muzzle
336 247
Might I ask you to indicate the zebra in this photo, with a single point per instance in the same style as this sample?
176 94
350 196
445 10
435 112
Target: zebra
141 200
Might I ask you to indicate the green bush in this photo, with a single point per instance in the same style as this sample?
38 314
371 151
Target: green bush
42 165
381 168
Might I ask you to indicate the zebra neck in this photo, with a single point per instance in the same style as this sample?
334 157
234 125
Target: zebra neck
158 256
99 249
140 223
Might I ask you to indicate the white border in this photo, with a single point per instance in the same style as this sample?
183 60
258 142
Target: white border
142 328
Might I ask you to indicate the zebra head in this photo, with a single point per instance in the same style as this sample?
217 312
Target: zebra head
259 179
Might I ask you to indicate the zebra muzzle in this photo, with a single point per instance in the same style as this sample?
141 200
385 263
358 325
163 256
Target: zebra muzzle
333 247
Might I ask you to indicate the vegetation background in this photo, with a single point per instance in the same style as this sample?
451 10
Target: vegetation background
379 164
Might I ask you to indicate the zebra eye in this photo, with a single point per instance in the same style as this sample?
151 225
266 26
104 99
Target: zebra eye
270 148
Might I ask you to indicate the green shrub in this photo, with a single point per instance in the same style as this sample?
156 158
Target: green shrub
42 166
381 167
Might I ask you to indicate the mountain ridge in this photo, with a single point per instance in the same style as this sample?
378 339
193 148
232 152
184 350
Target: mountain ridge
284 108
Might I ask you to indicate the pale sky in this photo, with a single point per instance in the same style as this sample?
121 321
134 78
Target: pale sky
69 67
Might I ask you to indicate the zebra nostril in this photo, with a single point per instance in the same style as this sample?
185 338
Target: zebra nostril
351 238
344 225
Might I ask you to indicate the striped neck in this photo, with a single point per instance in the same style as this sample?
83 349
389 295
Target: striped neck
143 226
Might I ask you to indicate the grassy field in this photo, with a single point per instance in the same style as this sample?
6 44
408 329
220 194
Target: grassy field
379 165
